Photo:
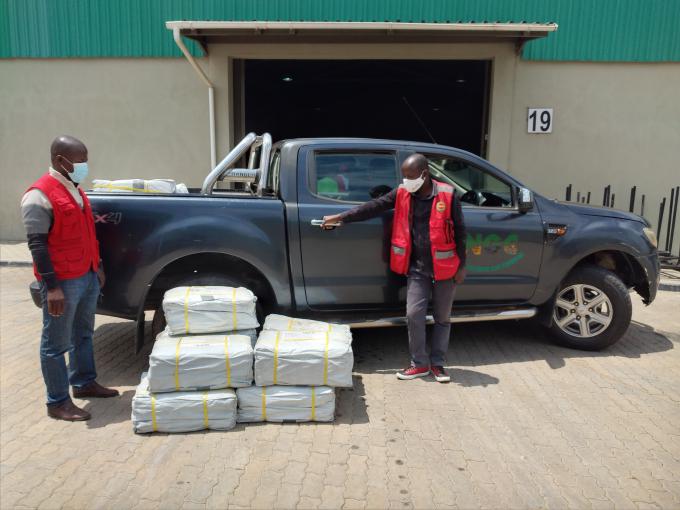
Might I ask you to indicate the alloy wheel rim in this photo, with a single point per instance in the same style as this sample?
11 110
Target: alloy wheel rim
583 311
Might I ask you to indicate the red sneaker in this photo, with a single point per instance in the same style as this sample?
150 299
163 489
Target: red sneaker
413 372
440 374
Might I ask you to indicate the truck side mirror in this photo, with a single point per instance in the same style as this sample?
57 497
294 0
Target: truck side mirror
525 200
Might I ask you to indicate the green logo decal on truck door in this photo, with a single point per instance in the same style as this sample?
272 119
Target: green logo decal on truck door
492 244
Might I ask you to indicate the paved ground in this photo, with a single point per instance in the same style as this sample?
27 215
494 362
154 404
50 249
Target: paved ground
524 424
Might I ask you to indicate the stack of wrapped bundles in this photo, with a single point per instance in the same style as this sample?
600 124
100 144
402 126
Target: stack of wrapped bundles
183 411
297 365
275 322
209 309
200 362
202 352
137 186
299 358
286 403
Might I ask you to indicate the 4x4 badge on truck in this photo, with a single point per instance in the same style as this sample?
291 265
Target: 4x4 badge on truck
110 217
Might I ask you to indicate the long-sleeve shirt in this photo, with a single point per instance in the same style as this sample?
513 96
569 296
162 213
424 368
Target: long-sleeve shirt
421 256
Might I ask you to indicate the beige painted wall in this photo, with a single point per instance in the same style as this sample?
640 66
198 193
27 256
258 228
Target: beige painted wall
139 118
614 123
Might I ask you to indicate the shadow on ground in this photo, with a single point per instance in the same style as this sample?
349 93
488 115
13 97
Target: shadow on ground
474 344
386 351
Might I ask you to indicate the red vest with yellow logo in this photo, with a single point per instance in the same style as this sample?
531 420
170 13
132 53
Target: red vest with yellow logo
72 241
442 244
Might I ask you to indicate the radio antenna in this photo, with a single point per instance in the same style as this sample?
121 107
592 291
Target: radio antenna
420 121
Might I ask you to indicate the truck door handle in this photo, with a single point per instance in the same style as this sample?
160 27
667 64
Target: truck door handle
330 226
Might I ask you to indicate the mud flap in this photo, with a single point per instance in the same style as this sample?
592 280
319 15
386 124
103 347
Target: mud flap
141 323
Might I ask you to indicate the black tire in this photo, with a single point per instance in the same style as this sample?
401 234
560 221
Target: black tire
588 278
158 324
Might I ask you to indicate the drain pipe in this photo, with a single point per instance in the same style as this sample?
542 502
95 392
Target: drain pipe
211 93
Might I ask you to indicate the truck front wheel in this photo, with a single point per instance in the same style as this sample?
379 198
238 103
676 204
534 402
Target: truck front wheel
592 309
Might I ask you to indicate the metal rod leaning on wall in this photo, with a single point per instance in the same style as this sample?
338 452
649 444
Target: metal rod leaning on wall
613 197
662 206
670 215
631 207
642 206
675 215
567 195
588 200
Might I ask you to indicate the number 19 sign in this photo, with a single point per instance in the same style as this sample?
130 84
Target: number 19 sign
540 120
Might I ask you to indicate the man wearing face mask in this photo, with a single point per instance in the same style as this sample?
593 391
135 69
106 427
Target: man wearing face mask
428 245
62 239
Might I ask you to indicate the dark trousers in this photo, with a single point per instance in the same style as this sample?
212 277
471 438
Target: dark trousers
418 291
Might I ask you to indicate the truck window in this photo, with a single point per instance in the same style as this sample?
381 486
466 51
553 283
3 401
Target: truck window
473 186
353 176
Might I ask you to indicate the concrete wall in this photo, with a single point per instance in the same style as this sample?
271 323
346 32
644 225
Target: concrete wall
614 123
138 117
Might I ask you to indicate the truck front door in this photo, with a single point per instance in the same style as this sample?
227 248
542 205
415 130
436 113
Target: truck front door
346 268
504 245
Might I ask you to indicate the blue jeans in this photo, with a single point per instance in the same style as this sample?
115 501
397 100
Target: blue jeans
71 332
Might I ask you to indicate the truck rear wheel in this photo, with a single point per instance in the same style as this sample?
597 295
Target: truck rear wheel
592 309
158 324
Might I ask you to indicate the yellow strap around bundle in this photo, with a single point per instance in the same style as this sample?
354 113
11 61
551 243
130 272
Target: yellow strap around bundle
313 416
264 403
290 324
205 410
186 310
276 356
154 425
325 363
233 309
177 364
226 360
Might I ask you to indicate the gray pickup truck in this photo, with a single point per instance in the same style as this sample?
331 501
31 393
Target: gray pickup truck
255 223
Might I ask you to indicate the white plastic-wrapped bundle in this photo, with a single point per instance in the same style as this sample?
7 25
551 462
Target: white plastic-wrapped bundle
285 403
276 322
209 309
303 358
200 362
134 186
181 188
183 411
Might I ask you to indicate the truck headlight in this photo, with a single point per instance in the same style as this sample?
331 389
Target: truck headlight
651 236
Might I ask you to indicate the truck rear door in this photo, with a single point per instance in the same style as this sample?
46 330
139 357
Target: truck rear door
346 268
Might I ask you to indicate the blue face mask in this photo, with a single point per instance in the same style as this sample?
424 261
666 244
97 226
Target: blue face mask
80 171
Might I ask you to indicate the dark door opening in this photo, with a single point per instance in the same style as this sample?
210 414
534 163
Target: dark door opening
442 101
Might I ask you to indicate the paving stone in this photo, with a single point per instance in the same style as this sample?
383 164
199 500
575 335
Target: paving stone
524 424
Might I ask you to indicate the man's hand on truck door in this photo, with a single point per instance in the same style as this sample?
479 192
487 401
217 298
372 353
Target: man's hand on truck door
331 222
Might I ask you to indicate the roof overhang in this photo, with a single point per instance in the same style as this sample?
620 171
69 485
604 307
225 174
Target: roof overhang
208 32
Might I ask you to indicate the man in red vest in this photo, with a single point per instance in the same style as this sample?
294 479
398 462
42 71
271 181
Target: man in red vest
63 243
428 245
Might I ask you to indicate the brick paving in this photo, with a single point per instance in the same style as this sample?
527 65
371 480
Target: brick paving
524 424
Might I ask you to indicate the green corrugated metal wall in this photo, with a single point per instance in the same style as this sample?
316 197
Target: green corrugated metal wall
589 30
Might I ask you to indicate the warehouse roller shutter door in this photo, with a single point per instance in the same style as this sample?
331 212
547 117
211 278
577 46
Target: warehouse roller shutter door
441 101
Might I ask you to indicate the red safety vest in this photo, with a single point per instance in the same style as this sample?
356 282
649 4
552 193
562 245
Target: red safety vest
445 261
72 240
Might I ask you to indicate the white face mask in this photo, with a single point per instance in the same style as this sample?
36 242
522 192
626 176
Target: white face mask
413 185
